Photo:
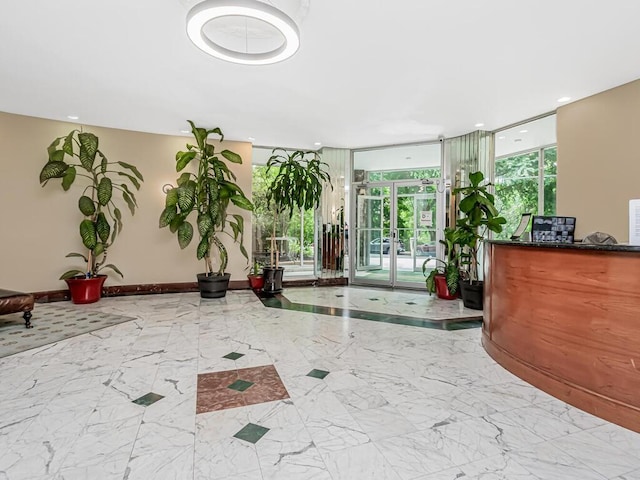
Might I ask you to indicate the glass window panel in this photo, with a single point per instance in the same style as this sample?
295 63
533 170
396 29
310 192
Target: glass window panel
550 174
516 189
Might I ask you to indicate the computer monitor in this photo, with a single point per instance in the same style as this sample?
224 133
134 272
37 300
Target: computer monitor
553 229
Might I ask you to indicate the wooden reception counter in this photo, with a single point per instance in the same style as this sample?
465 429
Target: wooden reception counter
566 318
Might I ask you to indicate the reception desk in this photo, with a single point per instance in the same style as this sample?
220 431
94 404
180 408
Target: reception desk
566 318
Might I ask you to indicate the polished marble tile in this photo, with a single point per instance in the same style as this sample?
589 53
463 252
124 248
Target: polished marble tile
401 402
251 433
319 374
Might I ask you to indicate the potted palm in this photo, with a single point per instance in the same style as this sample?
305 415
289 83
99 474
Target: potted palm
478 216
444 277
298 184
209 192
76 156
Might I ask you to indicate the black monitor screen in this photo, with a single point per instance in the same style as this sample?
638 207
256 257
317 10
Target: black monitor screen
553 229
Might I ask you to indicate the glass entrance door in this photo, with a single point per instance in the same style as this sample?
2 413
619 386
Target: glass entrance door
417 222
397 229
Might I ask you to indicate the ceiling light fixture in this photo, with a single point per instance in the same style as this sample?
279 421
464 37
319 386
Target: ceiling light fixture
73 117
317 144
251 139
524 131
479 124
209 10
502 137
185 131
564 99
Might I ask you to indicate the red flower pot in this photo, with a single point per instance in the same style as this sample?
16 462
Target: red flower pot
256 281
86 290
442 290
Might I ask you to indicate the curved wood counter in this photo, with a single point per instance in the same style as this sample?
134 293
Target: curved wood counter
566 318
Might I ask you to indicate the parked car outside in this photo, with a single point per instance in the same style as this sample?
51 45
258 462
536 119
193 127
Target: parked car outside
374 246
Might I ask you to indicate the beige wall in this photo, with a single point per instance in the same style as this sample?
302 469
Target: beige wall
39 226
599 160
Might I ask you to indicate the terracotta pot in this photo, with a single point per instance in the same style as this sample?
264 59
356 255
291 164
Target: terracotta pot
442 290
86 290
256 282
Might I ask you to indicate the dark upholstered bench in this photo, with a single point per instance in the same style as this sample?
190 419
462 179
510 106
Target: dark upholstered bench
12 302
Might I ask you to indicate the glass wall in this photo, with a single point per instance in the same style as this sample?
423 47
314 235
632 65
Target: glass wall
525 171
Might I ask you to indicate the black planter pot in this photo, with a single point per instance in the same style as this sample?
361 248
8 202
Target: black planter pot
472 294
272 279
213 286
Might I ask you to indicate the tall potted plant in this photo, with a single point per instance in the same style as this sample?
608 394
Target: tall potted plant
443 279
478 216
299 182
77 156
209 192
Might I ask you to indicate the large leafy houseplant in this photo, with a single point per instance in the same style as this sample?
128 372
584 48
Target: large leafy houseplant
478 216
76 158
300 179
449 268
209 192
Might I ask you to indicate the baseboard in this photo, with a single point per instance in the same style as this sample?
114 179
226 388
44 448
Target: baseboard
185 287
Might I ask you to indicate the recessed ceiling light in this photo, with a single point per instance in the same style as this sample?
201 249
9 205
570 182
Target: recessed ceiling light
203 13
564 99
73 117
524 131
479 125
185 131
251 139
502 137
317 144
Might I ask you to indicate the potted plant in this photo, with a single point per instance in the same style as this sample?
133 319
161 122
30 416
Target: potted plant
256 280
77 156
444 278
209 192
298 184
478 216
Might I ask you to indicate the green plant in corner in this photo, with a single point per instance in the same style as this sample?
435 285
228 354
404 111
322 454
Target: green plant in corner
301 177
479 215
449 267
208 192
77 156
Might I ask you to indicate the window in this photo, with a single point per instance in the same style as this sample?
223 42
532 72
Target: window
525 178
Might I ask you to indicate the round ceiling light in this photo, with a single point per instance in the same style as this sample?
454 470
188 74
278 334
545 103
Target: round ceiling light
203 13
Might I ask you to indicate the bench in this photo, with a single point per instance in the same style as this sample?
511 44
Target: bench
12 302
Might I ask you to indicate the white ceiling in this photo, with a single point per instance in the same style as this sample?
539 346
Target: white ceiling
368 72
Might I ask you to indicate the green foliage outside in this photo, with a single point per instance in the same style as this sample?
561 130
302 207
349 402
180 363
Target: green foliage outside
517 187
263 219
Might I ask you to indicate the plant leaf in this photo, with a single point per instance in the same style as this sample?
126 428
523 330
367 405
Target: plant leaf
242 202
103 162
172 197
183 159
99 249
105 190
88 149
187 196
205 225
203 248
103 229
67 146
135 171
132 179
184 178
71 274
175 223
111 266
53 170
86 206
130 203
167 216
77 255
185 234
231 156
88 234
69 177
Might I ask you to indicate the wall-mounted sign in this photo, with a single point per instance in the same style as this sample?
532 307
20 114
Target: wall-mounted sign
426 218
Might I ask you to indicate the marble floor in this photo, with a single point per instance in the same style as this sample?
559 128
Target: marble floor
285 394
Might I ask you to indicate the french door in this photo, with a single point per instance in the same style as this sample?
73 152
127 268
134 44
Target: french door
398 226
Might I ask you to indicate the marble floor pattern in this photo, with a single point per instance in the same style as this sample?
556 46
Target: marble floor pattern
364 400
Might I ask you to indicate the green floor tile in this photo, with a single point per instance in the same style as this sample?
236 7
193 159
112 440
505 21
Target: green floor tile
240 385
251 433
148 399
320 374
233 355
